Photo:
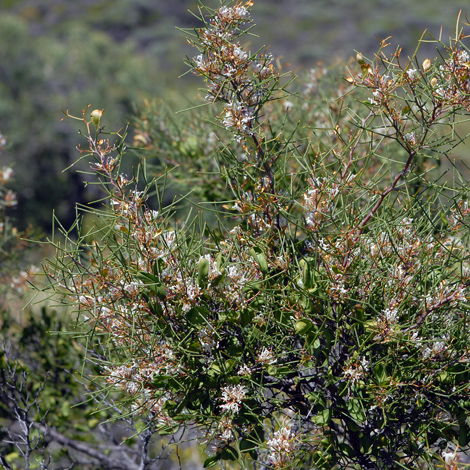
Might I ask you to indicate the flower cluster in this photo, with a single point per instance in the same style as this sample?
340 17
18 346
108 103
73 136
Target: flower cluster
452 83
357 370
281 447
451 460
232 397
235 77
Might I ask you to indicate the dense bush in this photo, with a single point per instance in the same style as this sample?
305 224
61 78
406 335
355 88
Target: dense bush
321 321
49 417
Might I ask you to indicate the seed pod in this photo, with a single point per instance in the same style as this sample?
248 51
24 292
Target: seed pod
202 272
360 59
219 261
96 117
261 259
426 65
263 263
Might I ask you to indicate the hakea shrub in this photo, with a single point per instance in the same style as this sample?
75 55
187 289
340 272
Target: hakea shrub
322 322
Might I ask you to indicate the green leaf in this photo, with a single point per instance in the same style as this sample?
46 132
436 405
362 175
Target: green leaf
161 381
12 457
356 411
219 261
336 269
170 405
233 348
211 461
166 430
271 370
463 435
154 284
312 342
229 315
202 272
365 445
229 453
322 418
92 423
381 374
303 326
197 316
247 316
81 427
65 409
214 370
246 445
307 278
347 450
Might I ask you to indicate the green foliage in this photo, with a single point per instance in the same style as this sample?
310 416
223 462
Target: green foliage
321 322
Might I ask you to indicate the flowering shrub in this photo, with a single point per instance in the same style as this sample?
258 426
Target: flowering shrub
322 322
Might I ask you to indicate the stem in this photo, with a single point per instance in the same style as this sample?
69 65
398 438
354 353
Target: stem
354 146
386 192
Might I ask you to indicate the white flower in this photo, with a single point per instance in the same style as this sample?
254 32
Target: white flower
390 314
236 230
229 120
132 288
288 105
232 396
169 237
450 457
266 357
7 174
206 339
411 74
281 447
356 371
239 53
437 347
377 98
462 56
199 60
244 370
226 435
310 219
410 138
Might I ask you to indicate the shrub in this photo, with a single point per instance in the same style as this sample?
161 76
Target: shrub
48 415
322 321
